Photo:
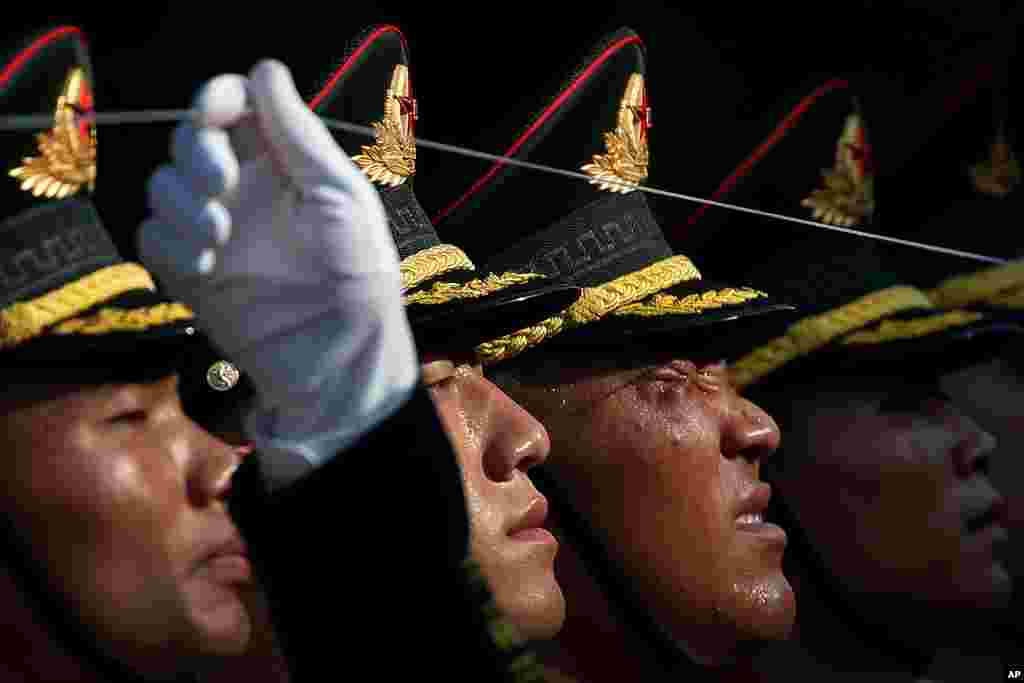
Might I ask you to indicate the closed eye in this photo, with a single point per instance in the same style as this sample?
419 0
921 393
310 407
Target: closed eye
128 417
437 373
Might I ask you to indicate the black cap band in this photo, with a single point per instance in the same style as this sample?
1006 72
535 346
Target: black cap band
610 237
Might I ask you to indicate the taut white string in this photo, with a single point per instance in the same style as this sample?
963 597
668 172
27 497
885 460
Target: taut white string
43 121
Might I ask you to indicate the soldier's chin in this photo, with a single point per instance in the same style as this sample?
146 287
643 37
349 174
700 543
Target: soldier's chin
1002 586
768 610
985 590
751 616
224 630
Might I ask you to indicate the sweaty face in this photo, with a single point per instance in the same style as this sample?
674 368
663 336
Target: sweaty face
662 458
496 442
893 491
122 499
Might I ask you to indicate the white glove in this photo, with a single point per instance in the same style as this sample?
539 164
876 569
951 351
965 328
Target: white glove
281 246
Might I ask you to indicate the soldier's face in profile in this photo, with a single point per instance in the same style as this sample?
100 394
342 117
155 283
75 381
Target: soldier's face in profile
992 393
889 483
122 500
496 442
661 456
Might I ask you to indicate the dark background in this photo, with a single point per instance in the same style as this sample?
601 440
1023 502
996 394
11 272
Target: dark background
720 76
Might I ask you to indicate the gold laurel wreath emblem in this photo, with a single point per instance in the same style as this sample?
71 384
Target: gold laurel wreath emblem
391 159
624 165
847 198
67 160
998 175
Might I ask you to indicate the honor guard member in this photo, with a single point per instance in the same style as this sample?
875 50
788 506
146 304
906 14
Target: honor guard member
373 86
884 495
992 392
354 505
114 524
654 462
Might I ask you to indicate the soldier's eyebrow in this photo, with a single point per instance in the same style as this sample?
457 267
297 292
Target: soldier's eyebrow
710 376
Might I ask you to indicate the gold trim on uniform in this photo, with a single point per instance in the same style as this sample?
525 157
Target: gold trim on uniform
595 303
432 262
891 330
691 304
812 333
980 287
67 158
446 292
511 345
27 319
108 320
627 157
392 158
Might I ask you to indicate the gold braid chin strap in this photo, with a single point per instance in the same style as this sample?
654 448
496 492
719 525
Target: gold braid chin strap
1012 299
595 303
992 285
446 292
812 333
691 304
891 330
131 320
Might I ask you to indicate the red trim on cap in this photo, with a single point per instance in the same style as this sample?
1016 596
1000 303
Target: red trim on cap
780 132
544 115
38 44
333 80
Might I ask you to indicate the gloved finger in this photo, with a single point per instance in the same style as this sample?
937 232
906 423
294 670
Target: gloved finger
222 101
301 143
249 141
206 158
170 256
196 217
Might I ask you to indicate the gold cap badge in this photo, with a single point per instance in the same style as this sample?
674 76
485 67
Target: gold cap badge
1000 173
392 158
222 376
848 196
626 158
67 158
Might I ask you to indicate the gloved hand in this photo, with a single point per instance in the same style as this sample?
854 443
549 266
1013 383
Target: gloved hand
281 246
